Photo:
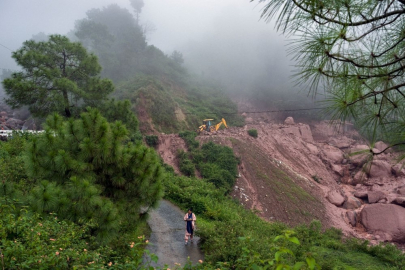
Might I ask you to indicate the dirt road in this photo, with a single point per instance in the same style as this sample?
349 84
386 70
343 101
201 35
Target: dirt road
167 238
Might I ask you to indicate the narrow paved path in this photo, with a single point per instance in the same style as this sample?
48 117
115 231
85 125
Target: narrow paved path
167 238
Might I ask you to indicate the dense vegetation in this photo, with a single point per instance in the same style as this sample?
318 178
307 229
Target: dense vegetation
215 163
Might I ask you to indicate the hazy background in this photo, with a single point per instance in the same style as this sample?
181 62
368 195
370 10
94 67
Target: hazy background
221 40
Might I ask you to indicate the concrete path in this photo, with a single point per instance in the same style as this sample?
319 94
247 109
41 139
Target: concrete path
167 238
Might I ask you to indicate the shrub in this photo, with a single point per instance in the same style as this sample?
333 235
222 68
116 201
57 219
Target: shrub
186 166
253 133
152 140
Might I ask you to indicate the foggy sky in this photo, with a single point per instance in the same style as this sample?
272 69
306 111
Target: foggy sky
177 22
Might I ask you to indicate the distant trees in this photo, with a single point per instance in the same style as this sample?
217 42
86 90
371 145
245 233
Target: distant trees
58 76
137 5
355 51
115 37
177 57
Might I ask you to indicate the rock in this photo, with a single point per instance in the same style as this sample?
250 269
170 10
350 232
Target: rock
337 169
401 190
375 196
380 146
383 219
313 149
380 169
306 133
3 114
289 121
248 119
332 154
359 177
398 170
362 194
352 203
399 201
352 217
292 130
357 158
341 143
334 197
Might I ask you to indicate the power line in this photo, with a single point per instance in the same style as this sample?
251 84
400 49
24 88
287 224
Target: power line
269 111
6 47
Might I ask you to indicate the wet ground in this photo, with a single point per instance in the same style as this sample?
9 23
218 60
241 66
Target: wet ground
167 238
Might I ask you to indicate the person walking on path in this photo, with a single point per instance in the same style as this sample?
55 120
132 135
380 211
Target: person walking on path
190 219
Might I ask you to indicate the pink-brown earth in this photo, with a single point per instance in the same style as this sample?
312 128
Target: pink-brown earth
296 172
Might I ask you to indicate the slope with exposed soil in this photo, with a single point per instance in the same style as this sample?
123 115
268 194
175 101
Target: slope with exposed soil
295 173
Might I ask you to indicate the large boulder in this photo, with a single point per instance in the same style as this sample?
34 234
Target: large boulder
384 219
313 149
289 121
337 169
334 197
332 154
306 133
359 155
375 196
380 169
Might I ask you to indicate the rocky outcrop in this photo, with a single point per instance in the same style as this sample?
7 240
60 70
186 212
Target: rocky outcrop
385 220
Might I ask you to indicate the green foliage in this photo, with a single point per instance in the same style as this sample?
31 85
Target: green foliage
152 140
90 163
115 110
58 76
31 241
253 133
189 138
186 166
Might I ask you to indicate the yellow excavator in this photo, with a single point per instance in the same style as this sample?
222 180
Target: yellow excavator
208 126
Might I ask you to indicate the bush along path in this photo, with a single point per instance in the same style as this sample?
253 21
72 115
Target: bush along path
167 237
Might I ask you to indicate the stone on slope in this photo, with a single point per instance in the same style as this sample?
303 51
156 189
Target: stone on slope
351 203
385 219
375 196
334 197
289 121
380 169
362 194
381 146
306 133
352 217
399 201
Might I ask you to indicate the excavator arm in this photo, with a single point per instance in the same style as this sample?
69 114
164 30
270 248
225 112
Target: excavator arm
217 126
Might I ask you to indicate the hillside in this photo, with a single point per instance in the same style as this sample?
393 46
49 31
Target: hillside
295 173
163 104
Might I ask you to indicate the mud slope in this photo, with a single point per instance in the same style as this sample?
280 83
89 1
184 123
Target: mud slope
295 173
